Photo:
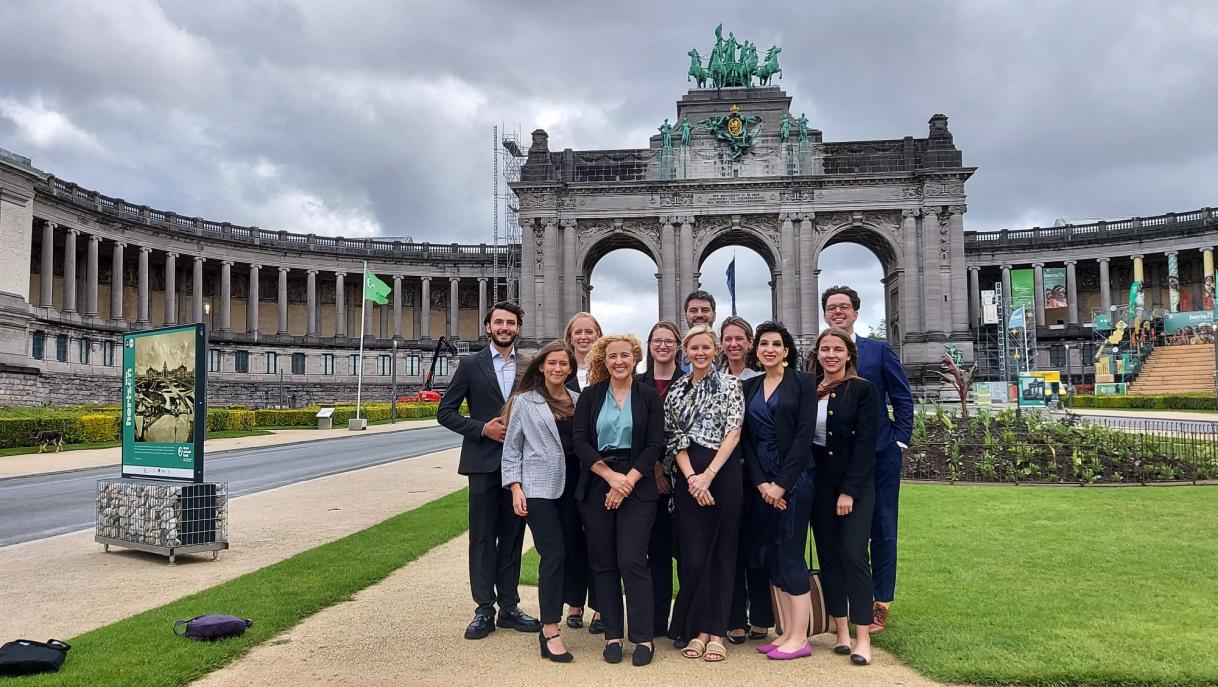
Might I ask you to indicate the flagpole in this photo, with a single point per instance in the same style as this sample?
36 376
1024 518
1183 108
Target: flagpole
363 317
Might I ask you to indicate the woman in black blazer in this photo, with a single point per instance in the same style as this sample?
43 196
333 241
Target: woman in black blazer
779 419
843 447
618 436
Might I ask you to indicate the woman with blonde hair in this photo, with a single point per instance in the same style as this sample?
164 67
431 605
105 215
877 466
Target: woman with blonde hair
843 450
619 435
536 453
703 413
582 330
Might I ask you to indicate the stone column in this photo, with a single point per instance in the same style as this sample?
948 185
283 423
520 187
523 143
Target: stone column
1072 292
197 284
1105 287
528 280
1173 280
47 277
570 289
311 301
454 309
340 304
937 314
367 308
668 283
912 303
809 297
425 310
1038 291
974 297
397 306
1139 275
1006 290
251 303
226 295
956 275
1207 278
171 288
91 277
142 293
482 301
116 281
283 301
786 243
550 301
689 281
69 271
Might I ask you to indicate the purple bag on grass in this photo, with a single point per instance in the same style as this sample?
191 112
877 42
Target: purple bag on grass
206 628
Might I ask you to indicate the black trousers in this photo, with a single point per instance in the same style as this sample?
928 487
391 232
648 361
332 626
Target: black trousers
659 559
751 603
577 577
841 547
496 535
617 554
546 524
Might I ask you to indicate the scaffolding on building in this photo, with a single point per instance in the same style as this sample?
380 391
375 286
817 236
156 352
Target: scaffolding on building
509 157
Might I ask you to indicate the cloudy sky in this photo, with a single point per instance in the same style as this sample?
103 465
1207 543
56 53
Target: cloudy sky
374 118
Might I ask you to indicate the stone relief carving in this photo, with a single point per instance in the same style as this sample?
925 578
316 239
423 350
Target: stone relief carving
945 239
943 187
531 201
670 199
797 195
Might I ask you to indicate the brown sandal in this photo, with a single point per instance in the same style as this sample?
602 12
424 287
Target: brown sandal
714 653
695 649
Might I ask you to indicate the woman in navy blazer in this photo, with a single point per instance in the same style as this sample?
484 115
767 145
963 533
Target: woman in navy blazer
779 419
618 436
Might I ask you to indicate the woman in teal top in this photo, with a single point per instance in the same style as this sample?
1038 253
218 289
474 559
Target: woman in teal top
618 436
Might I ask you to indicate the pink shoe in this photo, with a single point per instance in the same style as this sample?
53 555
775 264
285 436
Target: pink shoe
803 651
766 648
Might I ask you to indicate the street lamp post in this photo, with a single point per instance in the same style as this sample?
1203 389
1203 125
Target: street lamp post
393 384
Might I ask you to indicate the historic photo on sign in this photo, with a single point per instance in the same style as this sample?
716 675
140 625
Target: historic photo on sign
165 387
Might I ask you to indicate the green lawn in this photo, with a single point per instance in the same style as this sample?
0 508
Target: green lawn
223 434
1054 586
142 651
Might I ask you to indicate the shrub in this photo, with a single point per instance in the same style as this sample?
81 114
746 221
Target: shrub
222 419
99 427
1159 402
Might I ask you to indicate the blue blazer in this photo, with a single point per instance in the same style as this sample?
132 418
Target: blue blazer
879 364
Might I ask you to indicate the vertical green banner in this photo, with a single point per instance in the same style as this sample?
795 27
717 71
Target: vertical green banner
1055 288
1022 290
164 403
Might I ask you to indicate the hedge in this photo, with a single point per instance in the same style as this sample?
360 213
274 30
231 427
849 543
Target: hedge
100 427
222 419
1155 402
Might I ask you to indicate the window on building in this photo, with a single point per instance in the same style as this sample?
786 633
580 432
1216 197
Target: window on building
412 366
382 365
214 358
108 348
1057 356
327 363
442 366
353 364
39 345
272 362
241 361
61 348
298 363
83 349
1088 353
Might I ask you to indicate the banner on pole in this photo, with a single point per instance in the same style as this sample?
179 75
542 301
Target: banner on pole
375 290
1055 288
1022 289
989 307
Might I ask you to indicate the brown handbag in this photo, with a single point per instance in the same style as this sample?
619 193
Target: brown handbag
820 623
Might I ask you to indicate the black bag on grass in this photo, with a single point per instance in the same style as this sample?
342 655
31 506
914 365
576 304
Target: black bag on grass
206 628
27 657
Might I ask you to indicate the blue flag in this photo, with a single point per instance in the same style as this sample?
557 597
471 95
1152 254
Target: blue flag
731 282
1017 320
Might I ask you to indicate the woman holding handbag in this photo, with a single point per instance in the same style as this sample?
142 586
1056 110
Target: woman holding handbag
535 456
843 448
780 416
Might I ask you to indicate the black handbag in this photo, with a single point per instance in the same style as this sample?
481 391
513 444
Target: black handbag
27 657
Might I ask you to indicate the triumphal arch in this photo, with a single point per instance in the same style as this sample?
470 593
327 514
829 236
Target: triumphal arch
737 165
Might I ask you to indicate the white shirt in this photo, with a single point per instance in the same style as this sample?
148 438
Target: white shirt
505 370
822 419
581 376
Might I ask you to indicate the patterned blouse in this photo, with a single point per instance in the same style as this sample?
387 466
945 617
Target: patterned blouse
701 413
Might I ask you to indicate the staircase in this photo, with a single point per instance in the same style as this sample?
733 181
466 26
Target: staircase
1177 370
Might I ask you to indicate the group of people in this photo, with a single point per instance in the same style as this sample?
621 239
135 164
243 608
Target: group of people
720 456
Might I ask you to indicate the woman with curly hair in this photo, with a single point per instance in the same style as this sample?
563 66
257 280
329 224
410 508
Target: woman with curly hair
618 436
703 414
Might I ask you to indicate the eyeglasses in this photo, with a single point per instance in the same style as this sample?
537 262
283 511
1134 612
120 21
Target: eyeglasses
664 343
842 307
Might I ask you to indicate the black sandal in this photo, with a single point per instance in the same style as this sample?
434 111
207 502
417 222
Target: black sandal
575 621
736 639
759 634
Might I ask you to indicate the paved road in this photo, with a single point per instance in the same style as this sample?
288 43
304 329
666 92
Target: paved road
45 505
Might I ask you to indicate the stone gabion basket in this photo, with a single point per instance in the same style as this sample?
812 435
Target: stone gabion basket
156 514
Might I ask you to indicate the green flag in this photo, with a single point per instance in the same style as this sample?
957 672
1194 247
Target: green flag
375 290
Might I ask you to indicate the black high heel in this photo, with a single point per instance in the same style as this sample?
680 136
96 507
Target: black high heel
565 657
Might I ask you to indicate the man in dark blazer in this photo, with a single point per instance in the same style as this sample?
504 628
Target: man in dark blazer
879 364
496 534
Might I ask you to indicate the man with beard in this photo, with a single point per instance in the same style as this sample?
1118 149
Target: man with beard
879 364
699 309
496 534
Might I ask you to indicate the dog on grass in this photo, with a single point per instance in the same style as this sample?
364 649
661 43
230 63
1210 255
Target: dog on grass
49 437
